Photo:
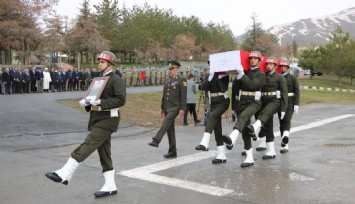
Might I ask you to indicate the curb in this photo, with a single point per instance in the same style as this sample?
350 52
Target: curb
326 89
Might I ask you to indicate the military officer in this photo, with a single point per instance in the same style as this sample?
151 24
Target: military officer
104 120
249 88
217 87
273 99
292 105
173 103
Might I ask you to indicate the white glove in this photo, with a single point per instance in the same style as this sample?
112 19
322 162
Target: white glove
295 109
240 73
282 115
210 77
83 103
95 103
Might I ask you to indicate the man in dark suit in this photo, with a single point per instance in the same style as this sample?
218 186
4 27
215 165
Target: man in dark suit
26 81
7 79
62 80
33 79
75 79
39 80
15 79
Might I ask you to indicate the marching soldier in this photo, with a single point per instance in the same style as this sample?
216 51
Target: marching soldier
273 98
249 86
217 87
292 105
104 120
173 104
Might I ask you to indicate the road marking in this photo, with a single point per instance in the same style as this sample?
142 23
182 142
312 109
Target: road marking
316 124
146 172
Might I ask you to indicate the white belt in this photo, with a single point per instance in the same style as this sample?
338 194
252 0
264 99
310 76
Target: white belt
247 93
290 94
268 93
113 111
217 94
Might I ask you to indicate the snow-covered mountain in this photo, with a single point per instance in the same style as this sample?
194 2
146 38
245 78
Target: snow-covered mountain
315 30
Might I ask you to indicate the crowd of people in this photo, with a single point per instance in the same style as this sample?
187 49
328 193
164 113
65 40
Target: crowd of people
35 80
16 80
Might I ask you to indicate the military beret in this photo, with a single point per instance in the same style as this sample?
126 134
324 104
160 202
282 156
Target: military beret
173 63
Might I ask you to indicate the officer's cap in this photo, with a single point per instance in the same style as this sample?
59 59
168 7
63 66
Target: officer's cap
173 64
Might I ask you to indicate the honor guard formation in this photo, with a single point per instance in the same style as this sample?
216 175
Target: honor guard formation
255 93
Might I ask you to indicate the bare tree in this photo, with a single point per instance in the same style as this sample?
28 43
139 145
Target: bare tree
184 46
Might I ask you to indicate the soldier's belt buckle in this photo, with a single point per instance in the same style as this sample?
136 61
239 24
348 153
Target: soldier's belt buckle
248 93
95 108
268 93
216 94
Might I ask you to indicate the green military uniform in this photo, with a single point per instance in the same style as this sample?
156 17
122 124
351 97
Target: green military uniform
159 77
101 124
147 80
274 98
293 99
124 77
128 78
247 89
153 77
235 99
104 119
271 103
135 75
247 105
219 104
173 100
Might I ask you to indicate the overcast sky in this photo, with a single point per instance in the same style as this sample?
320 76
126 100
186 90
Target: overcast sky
235 13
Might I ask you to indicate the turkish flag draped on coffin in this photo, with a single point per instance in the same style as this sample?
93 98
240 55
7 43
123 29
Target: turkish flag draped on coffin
233 60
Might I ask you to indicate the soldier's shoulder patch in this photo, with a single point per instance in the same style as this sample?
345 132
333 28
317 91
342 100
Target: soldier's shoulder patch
184 83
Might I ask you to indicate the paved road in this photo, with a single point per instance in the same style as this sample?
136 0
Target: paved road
37 135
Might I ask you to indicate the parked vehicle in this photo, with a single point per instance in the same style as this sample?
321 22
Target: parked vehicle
307 72
316 73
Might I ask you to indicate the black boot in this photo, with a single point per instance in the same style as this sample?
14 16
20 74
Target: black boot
201 147
170 155
154 143
251 132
